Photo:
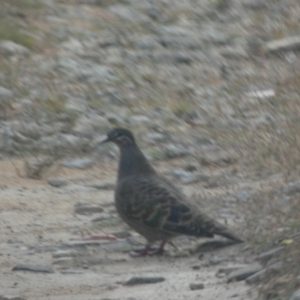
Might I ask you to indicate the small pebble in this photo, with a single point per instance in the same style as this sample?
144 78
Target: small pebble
196 286
144 280
33 268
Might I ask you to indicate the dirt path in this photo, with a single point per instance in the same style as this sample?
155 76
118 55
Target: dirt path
38 223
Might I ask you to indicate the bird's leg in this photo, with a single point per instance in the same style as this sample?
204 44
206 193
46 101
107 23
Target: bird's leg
160 250
141 252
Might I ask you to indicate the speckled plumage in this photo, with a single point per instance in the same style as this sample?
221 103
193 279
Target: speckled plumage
151 204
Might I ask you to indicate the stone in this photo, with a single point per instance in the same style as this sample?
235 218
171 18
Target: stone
87 209
33 268
286 44
5 94
216 260
78 163
144 280
292 188
267 255
296 295
139 120
244 273
57 182
173 151
11 48
196 286
257 277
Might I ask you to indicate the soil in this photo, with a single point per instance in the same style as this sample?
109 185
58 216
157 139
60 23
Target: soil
37 219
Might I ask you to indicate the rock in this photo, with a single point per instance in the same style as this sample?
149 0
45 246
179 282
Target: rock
286 44
216 260
78 163
226 271
186 177
139 120
181 43
86 208
291 188
5 94
296 295
266 256
243 196
173 151
196 286
33 268
36 169
11 48
255 4
65 253
157 137
57 182
129 14
144 280
103 185
244 273
11 298
234 53
72 271
257 277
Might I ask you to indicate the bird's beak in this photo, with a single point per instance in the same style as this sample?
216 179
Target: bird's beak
100 143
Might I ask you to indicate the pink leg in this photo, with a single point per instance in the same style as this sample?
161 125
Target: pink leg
148 251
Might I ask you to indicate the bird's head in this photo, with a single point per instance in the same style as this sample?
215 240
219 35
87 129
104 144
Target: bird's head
120 136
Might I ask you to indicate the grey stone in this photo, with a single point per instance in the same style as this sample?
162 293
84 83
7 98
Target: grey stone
292 188
78 163
5 94
129 14
157 137
266 256
147 43
87 209
57 182
196 286
186 177
255 4
234 53
33 268
286 44
103 185
173 151
216 260
72 271
65 253
244 273
144 280
138 120
181 43
11 48
257 277
296 295
244 196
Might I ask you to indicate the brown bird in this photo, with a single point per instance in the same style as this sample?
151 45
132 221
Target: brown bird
151 204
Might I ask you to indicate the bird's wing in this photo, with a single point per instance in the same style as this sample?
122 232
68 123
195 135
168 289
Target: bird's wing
156 205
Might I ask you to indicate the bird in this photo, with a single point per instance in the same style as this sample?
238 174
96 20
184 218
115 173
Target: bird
152 205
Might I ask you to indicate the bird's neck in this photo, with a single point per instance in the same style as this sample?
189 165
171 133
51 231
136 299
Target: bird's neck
133 162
